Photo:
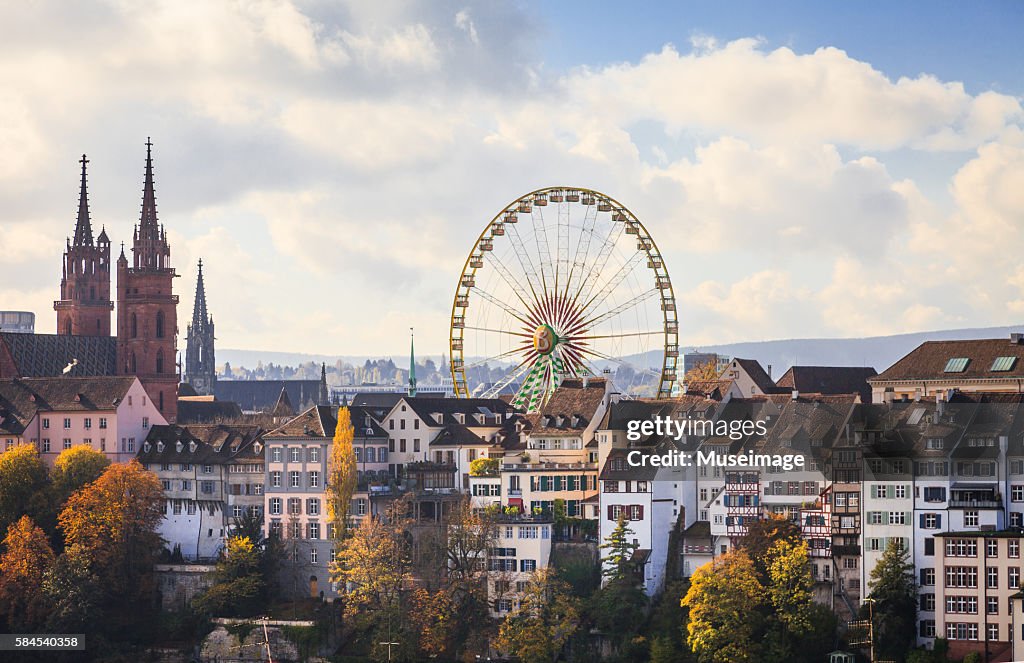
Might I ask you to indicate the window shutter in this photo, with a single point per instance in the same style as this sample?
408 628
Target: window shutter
610 516
640 512
938 521
921 519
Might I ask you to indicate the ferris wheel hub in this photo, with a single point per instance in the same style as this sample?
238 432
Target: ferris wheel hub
545 339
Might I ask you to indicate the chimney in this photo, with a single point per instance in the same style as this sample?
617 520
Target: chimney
795 395
940 405
888 395
586 381
769 370
1016 338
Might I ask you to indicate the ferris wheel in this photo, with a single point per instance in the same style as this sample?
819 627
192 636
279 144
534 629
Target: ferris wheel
563 282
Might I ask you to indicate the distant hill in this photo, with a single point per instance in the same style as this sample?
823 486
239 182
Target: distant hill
879 352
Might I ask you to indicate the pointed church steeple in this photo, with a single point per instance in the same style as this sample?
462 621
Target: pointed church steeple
324 398
148 227
412 363
83 228
199 315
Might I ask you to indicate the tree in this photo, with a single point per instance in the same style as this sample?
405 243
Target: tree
484 467
725 601
22 479
895 602
341 473
789 595
619 607
547 616
762 534
373 564
238 584
26 559
74 468
703 372
111 523
75 593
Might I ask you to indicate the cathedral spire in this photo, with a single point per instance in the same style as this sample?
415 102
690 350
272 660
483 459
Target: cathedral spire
148 228
83 228
199 314
412 363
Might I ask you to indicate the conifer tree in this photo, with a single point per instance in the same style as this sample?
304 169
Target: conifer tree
619 549
895 601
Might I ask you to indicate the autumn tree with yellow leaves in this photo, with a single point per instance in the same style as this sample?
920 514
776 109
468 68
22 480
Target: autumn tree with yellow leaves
342 474
26 559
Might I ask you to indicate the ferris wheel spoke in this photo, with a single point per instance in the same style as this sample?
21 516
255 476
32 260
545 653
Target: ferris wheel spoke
583 246
511 280
615 281
653 332
590 280
622 362
540 236
497 302
618 310
509 353
509 378
499 331
524 259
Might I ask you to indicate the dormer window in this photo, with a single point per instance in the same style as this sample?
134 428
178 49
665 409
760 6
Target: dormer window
258 447
160 447
192 447
438 418
460 417
575 420
179 446
956 365
146 447
559 421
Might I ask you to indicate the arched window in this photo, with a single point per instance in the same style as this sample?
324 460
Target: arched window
160 361
159 324
135 327
135 365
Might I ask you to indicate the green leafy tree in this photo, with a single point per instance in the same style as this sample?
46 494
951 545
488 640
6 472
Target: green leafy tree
22 480
726 602
894 592
342 473
619 550
75 593
238 583
547 617
26 559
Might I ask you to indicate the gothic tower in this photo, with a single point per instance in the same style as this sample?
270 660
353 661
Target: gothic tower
147 319
200 369
84 305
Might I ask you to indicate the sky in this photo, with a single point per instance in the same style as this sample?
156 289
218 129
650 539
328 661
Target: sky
808 169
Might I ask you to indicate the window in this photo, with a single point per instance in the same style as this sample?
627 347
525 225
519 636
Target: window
313 506
967 605
993 631
1013 548
992 577
46 423
275 455
314 530
166 483
611 486
897 518
295 454
207 469
88 422
275 479
992 605
314 454
928 577
314 479
928 602
961 548
46 445
961 576
131 444
900 491
295 479
294 506
236 511
928 628
961 631
1014 577
177 507
186 484
527 565
191 508
956 365
992 548
67 442
67 422
206 487
313 555
1017 493
103 422
1002 364
930 521
970 518
880 492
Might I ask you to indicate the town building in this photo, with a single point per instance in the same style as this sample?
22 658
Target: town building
521 547
112 415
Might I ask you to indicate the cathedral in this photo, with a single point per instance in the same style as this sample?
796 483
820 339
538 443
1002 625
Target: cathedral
145 344
200 366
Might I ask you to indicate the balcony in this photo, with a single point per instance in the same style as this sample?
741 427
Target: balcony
975 504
